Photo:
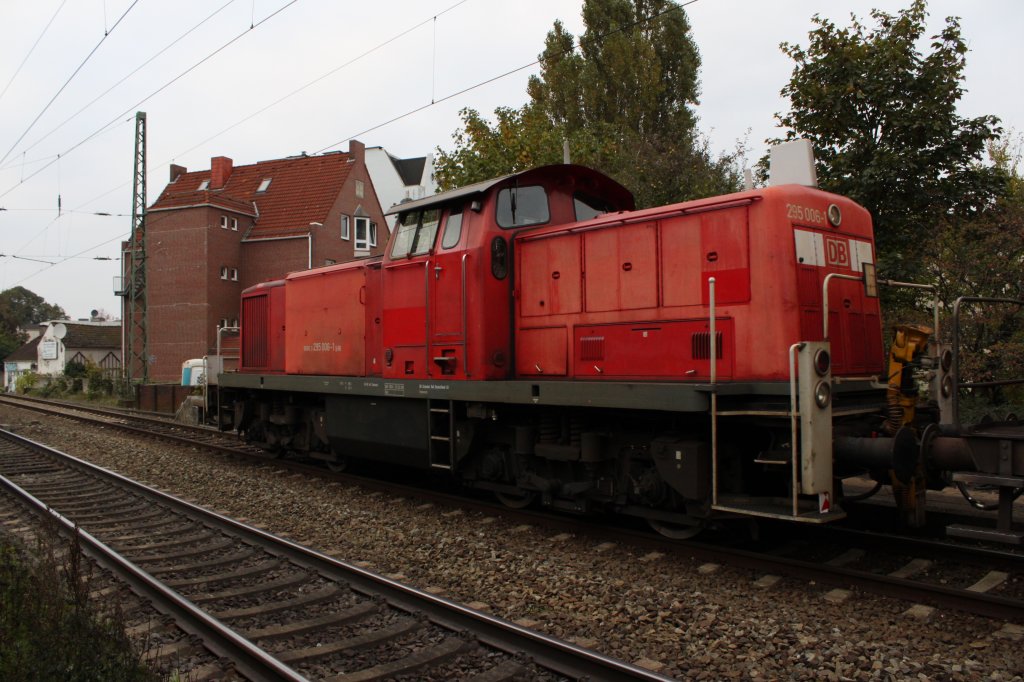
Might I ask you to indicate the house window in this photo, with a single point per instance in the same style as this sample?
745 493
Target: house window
202 185
234 323
234 224
366 234
224 222
234 274
223 323
264 185
345 232
360 189
223 272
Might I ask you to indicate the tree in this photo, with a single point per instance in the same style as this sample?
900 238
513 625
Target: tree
883 120
20 308
984 257
622 101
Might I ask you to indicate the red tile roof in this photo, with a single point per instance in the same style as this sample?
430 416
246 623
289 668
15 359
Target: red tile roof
302 191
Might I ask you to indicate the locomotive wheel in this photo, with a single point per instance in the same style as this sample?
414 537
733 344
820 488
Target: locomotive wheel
676 531
515 501
339 465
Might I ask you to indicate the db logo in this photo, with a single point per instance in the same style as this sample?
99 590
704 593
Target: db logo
837 252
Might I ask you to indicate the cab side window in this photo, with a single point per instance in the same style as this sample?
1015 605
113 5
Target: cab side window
588 207
521 206
452 229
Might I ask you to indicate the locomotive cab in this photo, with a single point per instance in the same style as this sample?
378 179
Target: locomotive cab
448 269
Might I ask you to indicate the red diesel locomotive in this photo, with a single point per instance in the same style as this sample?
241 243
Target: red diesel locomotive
535 336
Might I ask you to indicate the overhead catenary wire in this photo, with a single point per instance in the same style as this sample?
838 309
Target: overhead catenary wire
294 92
33 48
411 112
379 46
118 118
129 75
487 81
70 78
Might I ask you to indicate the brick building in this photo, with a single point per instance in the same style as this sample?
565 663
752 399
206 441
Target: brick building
213 233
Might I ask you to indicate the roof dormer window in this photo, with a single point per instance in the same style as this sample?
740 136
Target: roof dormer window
203 185
264 185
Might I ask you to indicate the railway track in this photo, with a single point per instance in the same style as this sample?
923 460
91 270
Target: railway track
271 609
921 571
142 424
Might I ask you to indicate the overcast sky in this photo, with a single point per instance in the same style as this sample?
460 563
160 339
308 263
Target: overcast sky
83 151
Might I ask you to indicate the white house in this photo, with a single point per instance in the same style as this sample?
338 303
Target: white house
399 180
65 341
21 360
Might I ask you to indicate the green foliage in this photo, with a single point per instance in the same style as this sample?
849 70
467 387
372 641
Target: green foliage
55 387
984 257
100 383
48 630
75 369
20 308
622 102
883 120
26 382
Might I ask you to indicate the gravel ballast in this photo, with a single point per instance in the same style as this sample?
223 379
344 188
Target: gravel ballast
680 618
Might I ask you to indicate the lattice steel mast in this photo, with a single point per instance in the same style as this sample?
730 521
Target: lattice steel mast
136 349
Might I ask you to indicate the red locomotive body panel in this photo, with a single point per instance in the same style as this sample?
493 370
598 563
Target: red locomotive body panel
621 296
627 296
327 320
263 319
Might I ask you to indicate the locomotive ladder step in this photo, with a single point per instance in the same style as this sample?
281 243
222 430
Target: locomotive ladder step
440 428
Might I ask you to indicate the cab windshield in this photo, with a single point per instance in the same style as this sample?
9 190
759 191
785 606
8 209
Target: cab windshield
415 233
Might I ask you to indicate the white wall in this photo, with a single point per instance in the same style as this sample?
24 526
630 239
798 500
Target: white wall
389 185
56 365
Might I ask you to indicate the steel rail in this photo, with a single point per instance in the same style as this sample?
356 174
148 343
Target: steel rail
247 658
558 656
48 407
908 590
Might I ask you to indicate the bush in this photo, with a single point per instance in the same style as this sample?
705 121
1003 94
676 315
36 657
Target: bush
100 384
75 370
26 382
48 631
55 387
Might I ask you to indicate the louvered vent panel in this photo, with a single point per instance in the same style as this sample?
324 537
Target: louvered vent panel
591 348
700 345
255 325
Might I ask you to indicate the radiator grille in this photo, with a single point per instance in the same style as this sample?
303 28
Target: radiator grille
255 328
700 345
591 348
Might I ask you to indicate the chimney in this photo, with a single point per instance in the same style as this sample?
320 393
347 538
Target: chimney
220 171
357 150
177 170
